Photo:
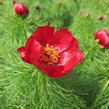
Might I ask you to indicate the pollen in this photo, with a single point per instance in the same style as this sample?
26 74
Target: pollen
50 55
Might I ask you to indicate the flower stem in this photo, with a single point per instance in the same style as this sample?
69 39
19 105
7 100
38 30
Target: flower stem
87 52
101 92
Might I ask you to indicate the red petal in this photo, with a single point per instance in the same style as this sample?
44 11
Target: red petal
35 53
23 54
54 71
26 51
29 43
43 34
103 38
74 44
70 59
57 72
63 39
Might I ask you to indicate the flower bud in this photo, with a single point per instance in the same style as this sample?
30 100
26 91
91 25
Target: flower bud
100 17
37 6
1 3
20 9
102 37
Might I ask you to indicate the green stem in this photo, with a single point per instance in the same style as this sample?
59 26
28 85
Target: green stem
101 92
88 51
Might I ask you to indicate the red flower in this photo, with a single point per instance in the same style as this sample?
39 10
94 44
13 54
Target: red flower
1 3
37 6
103 38
20 9
53 53
81 11
100 17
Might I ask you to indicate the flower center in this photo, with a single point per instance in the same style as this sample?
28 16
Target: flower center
49 56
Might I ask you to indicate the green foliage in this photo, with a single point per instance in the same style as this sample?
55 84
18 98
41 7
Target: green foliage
23 87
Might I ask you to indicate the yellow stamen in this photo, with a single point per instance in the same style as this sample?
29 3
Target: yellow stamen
50 55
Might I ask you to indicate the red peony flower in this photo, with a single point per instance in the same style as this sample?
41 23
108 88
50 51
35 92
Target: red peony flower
103 38
100 17
53 53
37 6
81 11
1 3
20 9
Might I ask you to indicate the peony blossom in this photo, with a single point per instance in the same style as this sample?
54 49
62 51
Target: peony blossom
54 53
37 6
103 38
1 3
100 17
